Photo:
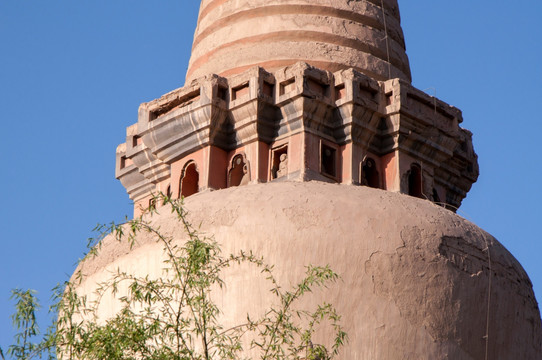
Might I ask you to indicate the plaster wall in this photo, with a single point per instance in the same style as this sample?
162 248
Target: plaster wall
414 276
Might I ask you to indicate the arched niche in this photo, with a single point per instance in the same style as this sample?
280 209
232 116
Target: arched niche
189 183
415 184
238 172
370 175
279 161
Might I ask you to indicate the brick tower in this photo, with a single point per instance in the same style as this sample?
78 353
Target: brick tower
300 99
299 136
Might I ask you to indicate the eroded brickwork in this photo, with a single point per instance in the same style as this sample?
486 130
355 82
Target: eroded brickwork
298 123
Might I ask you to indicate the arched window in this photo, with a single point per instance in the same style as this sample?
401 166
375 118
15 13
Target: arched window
370 175
238 173
415 181
168 191
189 184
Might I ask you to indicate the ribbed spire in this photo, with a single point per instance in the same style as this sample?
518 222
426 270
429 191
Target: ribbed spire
233 35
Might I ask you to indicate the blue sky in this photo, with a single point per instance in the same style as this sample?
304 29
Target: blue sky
73 73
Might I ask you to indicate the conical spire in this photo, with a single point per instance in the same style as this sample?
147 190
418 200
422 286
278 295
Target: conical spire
234 35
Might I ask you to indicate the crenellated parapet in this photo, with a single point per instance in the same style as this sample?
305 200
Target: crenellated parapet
297 123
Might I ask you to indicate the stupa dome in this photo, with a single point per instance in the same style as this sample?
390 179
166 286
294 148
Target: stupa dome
414 276
235 35
295 114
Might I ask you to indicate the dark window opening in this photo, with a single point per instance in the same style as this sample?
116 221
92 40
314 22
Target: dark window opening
383 124
415 181
189 181
222 92
328 160
268 89
136 140
370 174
